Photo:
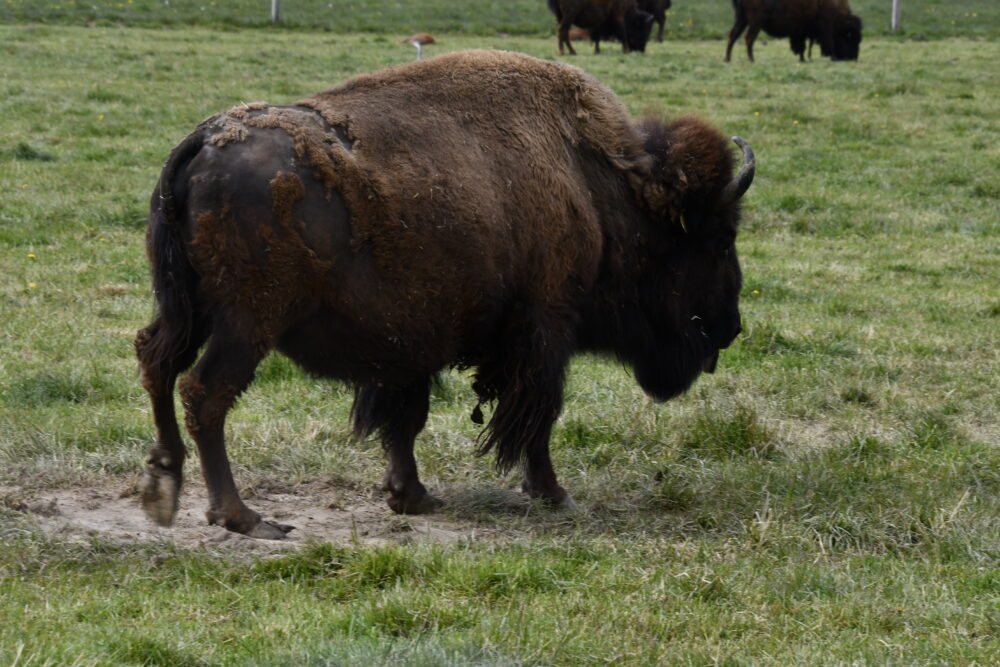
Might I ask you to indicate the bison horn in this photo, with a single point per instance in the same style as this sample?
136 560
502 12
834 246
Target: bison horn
739 185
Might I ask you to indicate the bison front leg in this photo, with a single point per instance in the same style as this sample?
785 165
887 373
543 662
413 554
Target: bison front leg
622 29
221 375
162 356
530 379
739 25
749 39
397 415
564 25
798 46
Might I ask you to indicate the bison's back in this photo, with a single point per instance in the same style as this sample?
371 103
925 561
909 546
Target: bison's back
783 18
412 208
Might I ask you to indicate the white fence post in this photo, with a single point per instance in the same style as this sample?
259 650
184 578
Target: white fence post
896 9
276 11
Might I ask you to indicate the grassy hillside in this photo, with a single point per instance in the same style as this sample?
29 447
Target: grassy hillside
831 495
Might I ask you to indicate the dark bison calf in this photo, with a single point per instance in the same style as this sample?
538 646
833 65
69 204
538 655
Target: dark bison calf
829 22
482 210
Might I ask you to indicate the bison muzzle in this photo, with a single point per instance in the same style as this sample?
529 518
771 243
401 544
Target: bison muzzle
481 210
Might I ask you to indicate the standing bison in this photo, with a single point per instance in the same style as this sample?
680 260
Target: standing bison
603 19
829 22
479 209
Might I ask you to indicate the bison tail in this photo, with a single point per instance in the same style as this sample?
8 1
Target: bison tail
174 330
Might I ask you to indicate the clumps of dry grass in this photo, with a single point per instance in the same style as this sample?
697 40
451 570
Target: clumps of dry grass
733 431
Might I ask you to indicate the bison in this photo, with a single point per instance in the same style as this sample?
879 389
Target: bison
603 19
829 22
658 10
480 209
638 27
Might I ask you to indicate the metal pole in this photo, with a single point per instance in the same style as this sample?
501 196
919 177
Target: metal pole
896 9
276 11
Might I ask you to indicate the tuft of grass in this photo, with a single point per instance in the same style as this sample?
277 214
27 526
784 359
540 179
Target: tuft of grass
27 152
722 433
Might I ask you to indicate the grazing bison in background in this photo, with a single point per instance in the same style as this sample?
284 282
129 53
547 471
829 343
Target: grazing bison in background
603 19
638 26
479 209
658 10
829 22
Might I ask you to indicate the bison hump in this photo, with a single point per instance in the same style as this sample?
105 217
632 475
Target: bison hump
486 97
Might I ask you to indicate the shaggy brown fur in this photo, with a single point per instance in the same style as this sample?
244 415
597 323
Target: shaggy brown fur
830 22
480 209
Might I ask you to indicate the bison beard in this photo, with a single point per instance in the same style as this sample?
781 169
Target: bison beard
481 209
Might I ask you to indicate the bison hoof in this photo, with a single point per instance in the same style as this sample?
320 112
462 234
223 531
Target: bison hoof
555 497
422 504
567 504
266 530
247 522
160 494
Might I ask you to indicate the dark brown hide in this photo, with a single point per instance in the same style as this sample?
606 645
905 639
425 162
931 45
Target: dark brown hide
479 209
829 22
604 19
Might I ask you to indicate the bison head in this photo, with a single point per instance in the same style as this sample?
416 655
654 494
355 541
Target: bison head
691 300
638 26
847 38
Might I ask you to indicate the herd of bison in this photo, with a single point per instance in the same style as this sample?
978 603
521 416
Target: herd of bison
827 22
522 217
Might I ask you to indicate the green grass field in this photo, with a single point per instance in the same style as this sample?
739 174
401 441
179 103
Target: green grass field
830 496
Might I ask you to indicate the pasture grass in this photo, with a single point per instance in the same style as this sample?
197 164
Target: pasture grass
829 496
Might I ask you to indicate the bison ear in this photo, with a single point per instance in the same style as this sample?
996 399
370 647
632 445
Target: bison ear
661 193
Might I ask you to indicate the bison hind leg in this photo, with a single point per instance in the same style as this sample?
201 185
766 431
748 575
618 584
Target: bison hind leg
208 392
160 494
163 352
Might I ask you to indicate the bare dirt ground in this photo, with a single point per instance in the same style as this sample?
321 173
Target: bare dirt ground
318 511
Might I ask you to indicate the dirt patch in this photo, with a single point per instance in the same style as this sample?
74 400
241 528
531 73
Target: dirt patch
318 511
